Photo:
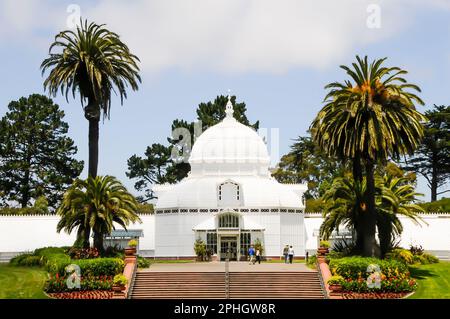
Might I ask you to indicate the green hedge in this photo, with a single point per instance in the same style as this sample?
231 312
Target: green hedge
356 267
55 260
23 211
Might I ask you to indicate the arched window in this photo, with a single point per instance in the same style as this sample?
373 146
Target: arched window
229 194
228 221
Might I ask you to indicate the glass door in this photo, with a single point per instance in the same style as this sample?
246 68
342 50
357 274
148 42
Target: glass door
228 245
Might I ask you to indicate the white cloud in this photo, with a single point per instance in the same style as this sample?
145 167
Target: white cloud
229 35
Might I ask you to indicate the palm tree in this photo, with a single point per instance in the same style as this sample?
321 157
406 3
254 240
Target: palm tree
96 204
396 198
368 121
345 205
93 61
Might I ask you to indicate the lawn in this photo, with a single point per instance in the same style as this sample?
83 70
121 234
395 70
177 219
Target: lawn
21 282
433 280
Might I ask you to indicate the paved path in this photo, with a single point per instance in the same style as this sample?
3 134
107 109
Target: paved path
220 266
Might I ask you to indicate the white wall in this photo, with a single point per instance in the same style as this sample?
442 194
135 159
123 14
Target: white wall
433 233
26 233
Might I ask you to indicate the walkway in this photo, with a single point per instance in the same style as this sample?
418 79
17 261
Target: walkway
220 267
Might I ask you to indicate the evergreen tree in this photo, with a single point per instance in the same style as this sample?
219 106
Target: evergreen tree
36 155
432 158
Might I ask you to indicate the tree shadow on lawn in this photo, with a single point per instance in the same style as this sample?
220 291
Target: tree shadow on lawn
419 273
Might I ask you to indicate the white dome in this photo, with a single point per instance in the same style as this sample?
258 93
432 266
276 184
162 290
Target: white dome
229 148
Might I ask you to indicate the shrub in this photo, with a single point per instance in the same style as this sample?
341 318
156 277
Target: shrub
120 280
311 262
59 283
401 255
143 262
200 248
416 250
356 267
334 255
27 260
132 243
113 251
83 253
22 211
97 267
335 280
324 244
429 258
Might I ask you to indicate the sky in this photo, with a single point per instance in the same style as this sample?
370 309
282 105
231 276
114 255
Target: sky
276 56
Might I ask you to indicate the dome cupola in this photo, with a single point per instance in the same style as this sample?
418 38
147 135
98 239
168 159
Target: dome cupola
229 148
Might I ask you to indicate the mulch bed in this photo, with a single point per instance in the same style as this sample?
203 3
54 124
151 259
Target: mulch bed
373 295
92 294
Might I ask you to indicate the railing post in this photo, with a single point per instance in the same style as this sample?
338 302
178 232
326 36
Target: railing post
227 275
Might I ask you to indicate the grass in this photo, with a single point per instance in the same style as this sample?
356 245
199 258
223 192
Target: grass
433 280
22 282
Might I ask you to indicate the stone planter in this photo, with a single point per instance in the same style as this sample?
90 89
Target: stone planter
335 287
130 251
118 289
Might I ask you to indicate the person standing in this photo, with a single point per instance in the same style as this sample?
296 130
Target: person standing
286 253
291 254
258 256
251 253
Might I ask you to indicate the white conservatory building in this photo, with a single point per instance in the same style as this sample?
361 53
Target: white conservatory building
229 199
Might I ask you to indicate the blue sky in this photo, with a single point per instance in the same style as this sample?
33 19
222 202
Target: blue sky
275 56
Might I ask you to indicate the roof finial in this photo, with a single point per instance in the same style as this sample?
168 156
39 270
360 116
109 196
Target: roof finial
229 108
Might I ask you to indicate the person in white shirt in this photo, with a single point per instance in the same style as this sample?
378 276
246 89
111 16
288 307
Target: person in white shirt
291 254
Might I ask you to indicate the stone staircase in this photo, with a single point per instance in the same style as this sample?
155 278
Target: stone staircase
211 285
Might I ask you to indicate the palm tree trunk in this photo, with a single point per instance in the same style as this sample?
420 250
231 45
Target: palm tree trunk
93 147
369 219
98 241
357 171
384 233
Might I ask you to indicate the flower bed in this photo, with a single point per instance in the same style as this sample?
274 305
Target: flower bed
95 294
371 275
57 283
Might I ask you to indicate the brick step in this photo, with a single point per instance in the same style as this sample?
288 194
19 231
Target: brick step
211 285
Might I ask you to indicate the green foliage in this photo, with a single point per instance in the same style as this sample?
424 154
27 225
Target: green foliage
307 163
356 267
442 205
346 204
98 266
367 119
42 204
432 158
258 245
145 208
120 280
132 243
58 283
335 280
91 61
324 244
314 205
312 260
165 164
143 262
402 255
22 211
96 204
200 248
37 155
